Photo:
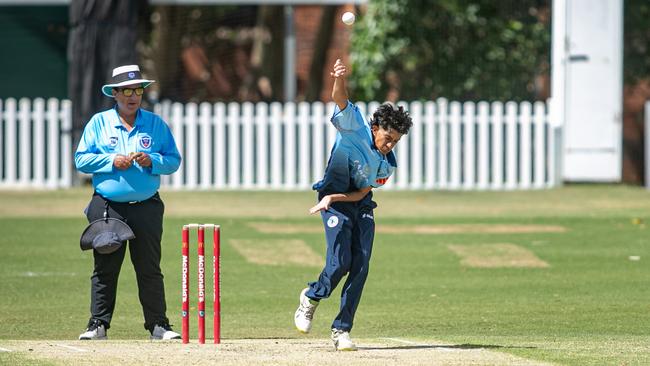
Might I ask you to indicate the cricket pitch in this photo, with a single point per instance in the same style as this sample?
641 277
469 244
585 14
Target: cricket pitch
384 351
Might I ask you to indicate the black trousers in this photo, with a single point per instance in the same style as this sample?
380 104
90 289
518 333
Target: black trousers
146 220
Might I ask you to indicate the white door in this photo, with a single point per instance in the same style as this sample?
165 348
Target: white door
593 90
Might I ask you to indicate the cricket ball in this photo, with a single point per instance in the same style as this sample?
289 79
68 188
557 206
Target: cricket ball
348 18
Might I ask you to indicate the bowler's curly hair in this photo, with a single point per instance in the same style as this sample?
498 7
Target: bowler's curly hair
389 116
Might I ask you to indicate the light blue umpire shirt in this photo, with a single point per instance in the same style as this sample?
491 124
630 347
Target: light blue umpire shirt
104 137
354 161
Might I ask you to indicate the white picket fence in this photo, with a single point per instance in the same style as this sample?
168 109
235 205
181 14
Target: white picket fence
35 143
286 146
277 146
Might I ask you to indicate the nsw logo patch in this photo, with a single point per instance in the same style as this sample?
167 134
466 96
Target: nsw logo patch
112 141
332 221
145 142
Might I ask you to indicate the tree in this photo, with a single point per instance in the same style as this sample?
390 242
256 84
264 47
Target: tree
459 49
636 54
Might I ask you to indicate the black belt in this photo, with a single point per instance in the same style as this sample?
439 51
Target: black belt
155 196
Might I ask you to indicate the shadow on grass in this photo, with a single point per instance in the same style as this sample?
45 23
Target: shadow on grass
465 346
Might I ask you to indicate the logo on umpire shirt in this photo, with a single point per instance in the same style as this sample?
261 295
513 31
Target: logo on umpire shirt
112 141
332 221
145 142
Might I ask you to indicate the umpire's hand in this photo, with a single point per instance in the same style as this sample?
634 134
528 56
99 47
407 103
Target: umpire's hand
143 159
122 162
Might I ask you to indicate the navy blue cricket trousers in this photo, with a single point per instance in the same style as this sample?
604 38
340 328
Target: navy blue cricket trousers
146 220
349 231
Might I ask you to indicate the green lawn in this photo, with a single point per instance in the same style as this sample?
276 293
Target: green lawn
590 305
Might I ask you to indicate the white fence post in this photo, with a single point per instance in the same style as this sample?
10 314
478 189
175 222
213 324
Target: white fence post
191 146
207 162
261 123
443 159
233 145
525 122
483 122
11 171
469 144
304 177
431 157
276 145
25 153
456 144
511 145
248 124
289 146
497 145
219 121
53 146
38 143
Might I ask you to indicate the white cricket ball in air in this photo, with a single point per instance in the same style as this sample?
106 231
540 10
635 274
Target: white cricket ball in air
348 18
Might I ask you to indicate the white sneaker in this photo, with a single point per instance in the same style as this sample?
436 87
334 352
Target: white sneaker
342 341
305 312
164 332
95 331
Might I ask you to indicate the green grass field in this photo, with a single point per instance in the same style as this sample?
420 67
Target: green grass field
583 300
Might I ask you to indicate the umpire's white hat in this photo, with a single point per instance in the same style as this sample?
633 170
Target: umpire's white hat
125 75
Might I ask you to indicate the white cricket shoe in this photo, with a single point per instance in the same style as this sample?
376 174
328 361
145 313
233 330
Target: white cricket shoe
95 331
305 312
164 332
342 341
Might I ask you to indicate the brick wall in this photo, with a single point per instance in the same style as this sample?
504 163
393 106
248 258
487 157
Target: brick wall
307 23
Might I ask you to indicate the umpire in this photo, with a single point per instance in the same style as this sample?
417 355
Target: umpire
126 149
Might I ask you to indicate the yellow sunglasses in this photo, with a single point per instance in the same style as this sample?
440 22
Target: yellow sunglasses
129 92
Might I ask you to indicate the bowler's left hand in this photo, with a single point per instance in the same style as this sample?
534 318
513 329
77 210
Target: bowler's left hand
324 204
143 159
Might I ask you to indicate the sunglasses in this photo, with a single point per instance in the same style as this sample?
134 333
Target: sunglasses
129 92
